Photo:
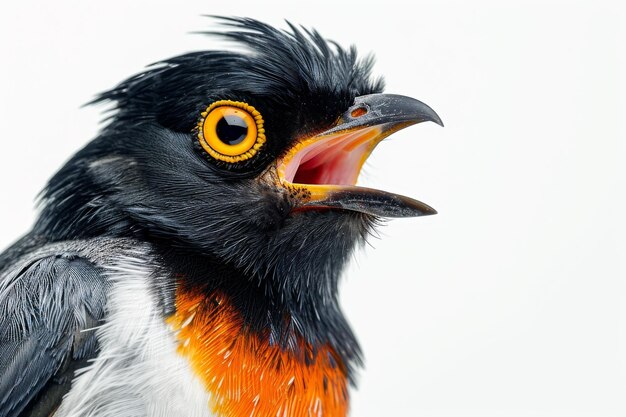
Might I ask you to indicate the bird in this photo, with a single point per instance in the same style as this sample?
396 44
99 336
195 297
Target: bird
186 261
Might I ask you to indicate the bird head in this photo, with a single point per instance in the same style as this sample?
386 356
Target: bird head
250 158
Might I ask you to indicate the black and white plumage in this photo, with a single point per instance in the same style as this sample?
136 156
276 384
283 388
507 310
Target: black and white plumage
95 305
142 214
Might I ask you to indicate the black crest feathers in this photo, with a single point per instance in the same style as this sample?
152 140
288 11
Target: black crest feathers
286 66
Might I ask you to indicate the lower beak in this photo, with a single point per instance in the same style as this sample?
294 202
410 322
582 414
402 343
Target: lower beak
321 171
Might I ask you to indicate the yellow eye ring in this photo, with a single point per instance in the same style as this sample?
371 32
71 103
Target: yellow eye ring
231 131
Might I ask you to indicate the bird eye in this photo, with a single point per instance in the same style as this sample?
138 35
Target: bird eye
231 131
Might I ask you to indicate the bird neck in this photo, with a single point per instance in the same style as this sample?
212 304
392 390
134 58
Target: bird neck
295 358
248 375
266 307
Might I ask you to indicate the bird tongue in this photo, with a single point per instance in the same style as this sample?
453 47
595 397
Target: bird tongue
335 159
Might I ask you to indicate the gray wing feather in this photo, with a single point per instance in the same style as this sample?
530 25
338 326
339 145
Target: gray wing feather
45 307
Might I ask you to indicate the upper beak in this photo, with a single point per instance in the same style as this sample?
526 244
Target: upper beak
321 171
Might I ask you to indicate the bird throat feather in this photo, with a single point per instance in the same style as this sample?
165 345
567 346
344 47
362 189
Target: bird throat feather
245 374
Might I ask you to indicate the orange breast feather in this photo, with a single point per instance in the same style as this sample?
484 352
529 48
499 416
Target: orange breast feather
247 376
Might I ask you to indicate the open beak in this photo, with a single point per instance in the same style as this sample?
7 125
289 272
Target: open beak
321 171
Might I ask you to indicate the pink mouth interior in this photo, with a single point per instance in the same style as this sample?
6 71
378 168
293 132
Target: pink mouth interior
335 159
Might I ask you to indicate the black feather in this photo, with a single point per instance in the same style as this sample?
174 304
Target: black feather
43 308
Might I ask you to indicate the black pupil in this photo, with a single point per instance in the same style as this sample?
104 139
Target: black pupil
231 129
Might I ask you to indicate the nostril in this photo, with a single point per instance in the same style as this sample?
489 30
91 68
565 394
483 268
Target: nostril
358 112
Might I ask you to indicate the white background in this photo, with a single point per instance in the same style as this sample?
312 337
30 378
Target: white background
511 301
